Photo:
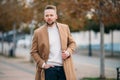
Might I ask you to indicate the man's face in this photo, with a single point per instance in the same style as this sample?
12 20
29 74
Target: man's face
50 16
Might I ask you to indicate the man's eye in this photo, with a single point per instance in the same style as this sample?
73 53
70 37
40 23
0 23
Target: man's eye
51 15
46 15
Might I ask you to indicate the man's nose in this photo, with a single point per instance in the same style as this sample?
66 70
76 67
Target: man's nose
49 16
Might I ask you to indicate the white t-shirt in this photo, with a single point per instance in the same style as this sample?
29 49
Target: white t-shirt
55 55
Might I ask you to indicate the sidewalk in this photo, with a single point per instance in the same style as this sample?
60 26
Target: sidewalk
90 66
20 69
16 69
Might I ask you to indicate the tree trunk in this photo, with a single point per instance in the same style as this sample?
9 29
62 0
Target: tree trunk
112 43
102 56
14 40
2 43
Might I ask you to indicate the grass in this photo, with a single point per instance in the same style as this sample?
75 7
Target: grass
98 79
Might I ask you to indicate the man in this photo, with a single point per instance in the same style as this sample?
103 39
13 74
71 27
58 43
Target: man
52 47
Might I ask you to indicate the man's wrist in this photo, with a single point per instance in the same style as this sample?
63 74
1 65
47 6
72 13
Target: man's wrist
68 54
43 65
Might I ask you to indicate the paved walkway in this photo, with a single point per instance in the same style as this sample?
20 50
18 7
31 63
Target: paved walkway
90 66
20 69
16 69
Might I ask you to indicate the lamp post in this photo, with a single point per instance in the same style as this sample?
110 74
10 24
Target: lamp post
90 49
89 16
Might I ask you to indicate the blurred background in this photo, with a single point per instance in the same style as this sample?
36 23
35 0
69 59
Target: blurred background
94 24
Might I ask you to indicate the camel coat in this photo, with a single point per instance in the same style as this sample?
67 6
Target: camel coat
40 50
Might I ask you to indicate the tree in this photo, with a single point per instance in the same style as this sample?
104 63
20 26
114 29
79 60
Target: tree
12 12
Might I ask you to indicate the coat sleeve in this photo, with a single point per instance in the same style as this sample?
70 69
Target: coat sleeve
34 51
71 42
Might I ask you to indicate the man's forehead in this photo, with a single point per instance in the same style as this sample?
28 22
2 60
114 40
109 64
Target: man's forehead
49 11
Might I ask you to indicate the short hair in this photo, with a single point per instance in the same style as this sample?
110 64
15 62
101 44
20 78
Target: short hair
51 7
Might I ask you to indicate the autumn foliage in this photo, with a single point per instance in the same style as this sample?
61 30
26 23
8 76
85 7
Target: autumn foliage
71 12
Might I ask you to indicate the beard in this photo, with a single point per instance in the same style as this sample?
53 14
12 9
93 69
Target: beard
50 24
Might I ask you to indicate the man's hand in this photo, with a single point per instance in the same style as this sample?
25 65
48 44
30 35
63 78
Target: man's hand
65 55
46 66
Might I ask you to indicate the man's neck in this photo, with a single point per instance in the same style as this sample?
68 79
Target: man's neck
51 25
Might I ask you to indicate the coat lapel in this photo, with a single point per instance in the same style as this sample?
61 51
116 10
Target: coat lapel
46 37
61 33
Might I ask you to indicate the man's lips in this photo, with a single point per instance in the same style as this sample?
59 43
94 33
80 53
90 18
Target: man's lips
49 20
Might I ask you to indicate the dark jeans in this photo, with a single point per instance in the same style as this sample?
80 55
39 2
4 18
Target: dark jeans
55 73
